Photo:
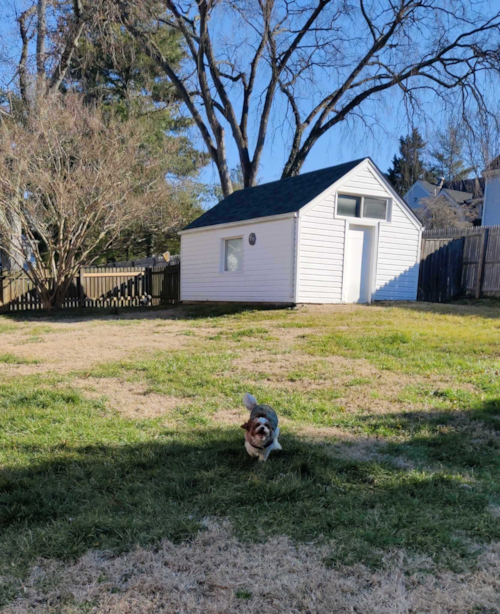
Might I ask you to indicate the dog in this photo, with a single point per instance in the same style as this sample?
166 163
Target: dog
262 429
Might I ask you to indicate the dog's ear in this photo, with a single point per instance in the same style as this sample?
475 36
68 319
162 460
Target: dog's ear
246 426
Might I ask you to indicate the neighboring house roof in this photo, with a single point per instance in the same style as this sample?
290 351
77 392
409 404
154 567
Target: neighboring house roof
430 187
474 186
275 198
459 192
457 196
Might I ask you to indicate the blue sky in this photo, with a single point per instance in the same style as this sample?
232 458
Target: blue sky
336 146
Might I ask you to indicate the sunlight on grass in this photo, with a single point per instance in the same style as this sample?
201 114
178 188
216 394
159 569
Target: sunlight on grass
411 460
6 326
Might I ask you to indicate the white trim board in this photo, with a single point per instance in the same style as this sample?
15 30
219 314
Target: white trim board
254 220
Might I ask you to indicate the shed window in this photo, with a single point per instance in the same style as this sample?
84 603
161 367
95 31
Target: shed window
361 206
233 254
375 207
349 205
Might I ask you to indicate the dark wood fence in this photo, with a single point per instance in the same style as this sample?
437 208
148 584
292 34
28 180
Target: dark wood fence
459 262
99 287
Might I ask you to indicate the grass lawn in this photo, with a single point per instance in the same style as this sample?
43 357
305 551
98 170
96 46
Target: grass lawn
117 432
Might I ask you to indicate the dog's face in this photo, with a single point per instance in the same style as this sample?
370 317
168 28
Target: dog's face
258 431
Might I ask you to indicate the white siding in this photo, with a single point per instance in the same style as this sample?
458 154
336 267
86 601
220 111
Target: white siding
267 274
397 258
491 208
365 183
322 240
321 255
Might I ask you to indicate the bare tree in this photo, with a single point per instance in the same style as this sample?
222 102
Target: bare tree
54 49
439 212
331 60
75 181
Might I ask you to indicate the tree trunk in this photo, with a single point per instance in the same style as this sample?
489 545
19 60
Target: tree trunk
40 47
13 261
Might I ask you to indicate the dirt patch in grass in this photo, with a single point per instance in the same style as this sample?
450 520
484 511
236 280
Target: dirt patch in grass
216 573
362 386
75 346
131 399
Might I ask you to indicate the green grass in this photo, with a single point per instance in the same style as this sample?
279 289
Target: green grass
77 475
12 359
6 326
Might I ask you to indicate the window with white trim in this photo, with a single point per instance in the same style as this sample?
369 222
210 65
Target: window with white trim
233 255
362 206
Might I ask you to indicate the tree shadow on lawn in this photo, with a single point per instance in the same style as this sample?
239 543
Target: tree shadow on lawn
72 499
485 308
165 312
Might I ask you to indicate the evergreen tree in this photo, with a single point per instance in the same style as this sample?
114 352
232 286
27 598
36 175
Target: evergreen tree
447 154
408 167
111 70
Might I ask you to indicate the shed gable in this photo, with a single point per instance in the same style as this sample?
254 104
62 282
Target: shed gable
322 270
366 183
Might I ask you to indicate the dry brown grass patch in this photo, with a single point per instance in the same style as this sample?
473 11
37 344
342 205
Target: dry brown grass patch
81 345
217 574
131 399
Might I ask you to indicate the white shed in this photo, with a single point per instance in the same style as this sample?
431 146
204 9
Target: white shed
337 235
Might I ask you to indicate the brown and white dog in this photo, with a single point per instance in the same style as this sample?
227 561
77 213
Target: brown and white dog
262 429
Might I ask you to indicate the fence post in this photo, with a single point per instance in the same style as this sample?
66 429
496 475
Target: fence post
482 258
2 303
148 278
81 293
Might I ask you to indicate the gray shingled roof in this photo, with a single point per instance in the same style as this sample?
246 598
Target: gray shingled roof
458 196
275 198
430 187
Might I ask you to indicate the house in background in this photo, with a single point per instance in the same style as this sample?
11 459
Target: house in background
336 235
462 193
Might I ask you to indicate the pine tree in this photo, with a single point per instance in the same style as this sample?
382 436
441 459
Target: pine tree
408 167
447 154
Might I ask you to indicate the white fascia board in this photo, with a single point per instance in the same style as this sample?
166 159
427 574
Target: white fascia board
255 220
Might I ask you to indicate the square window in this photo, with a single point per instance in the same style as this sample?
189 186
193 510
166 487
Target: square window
233 255
349 206
375 208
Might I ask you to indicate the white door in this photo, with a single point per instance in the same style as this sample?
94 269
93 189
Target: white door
358 265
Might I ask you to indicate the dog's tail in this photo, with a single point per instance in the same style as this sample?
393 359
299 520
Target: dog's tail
249 401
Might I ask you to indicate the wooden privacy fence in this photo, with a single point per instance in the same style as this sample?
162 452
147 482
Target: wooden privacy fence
459 262
99 287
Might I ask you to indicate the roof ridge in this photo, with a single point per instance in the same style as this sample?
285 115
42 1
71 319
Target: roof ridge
277 197
318 170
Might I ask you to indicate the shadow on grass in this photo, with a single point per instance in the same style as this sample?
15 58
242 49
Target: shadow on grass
70 499
484 308
166 312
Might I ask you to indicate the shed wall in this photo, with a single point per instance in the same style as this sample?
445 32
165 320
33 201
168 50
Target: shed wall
267 274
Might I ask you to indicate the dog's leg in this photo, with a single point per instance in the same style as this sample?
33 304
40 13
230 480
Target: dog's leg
264 454
251 451
276 444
